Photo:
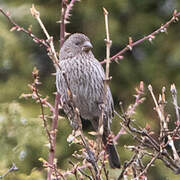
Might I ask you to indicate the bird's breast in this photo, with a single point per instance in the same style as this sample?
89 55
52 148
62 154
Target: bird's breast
85 79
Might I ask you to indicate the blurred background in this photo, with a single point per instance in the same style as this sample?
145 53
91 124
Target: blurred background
22 137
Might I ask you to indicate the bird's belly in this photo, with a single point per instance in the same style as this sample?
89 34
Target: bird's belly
87 106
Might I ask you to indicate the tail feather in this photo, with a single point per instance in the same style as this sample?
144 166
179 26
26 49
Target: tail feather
113 156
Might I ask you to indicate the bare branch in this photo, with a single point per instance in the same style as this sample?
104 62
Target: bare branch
149 37
174 97
52 53
19 28
148 165
108 45
52 149
65 15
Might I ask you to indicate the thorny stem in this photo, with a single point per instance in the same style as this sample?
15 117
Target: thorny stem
65 14
53 134
149 37
69 8
52 52
62 23
108 45
43 117
41 101
19 28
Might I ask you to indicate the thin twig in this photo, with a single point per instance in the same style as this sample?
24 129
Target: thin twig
164 126
126 165
69 9
80 170
91 157
13 168
106 80
175 103
34 88
52 149
149 37
43 117
52 52
62 23
160 111
106 172
130 129
65 14
19 28
148 165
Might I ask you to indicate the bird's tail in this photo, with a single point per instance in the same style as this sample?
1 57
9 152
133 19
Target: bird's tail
113 156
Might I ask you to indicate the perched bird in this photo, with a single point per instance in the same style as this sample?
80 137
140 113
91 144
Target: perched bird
85 77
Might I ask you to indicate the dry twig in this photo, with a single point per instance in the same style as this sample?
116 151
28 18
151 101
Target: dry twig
149 37
13 168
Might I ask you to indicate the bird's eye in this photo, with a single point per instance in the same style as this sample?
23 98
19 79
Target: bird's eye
77 43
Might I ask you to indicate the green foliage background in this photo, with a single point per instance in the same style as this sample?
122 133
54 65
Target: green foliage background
22 137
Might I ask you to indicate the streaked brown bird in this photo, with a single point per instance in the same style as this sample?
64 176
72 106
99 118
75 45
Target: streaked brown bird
85 78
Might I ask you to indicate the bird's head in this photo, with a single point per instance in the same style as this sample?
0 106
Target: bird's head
76 43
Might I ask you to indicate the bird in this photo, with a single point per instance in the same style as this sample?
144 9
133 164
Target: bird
83 74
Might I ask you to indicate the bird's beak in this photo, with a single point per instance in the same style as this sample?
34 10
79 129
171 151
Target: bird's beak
87 46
